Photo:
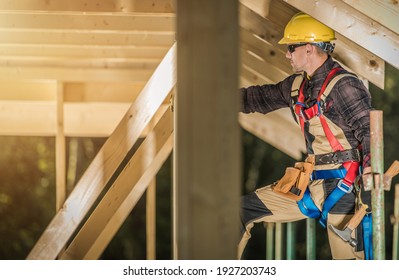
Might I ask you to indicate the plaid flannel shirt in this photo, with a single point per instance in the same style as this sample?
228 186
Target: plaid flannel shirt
348 104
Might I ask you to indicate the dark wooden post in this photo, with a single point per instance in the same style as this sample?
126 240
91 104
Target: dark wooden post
207 155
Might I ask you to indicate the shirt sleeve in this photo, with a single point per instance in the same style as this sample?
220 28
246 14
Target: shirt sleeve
266 98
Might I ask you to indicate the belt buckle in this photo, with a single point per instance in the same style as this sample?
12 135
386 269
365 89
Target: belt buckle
326 158
344 187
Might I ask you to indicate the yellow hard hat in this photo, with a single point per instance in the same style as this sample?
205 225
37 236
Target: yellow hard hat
302 28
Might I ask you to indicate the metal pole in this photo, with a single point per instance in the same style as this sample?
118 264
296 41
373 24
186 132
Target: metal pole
291 240
377 194
279 241
395 222
310 239
269 241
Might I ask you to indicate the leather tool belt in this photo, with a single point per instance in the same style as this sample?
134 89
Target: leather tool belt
338 157
295 180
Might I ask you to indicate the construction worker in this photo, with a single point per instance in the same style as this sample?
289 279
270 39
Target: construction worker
332 107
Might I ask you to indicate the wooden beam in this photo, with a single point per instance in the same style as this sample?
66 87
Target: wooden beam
44 21
60 150
248 74
103 92
268 70
276 129
94 119
42 90
355 26
106 161
207 149
264 50
385 12
125 188
79 62
74 74
155 6
115 223
28 90
85 51
87 37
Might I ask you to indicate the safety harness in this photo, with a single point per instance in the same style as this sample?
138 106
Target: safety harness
349 158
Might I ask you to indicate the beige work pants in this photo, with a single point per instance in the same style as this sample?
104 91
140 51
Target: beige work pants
281 209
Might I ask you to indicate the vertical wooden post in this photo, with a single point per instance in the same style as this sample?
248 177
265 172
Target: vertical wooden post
60 153
207 150
377 193
395 222
291 240
151 220
279 242
310 239
269 240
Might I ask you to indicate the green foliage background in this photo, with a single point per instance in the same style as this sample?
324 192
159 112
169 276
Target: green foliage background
27 189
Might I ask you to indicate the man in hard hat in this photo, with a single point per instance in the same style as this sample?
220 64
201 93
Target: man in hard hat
332 108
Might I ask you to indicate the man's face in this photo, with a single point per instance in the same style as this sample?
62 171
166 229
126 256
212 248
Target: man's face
296 53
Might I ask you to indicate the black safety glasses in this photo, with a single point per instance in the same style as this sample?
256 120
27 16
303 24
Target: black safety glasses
291 48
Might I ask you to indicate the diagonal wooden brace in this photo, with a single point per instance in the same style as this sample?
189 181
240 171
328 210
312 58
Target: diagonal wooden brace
392 171
369 179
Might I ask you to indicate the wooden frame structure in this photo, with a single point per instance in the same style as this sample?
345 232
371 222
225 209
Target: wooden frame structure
108 68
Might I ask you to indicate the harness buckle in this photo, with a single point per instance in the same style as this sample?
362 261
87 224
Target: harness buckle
307 113
320 105
299 112
344 187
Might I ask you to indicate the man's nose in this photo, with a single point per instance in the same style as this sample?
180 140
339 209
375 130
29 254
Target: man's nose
288 54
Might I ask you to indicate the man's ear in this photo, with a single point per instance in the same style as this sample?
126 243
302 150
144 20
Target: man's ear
309 48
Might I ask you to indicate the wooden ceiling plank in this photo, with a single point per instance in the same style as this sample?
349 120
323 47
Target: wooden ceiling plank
51 37
261 26
355 26
79 62
74 75
252 43
85 51
350 55
386 12
154 6
110 156
81 21
264 68
253 77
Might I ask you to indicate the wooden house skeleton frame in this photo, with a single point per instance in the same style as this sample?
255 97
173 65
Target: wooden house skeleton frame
110 68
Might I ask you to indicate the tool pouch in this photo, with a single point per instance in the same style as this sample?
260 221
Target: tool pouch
295 181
